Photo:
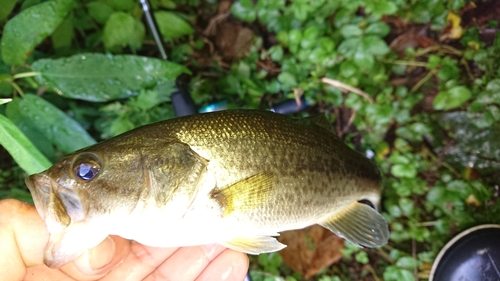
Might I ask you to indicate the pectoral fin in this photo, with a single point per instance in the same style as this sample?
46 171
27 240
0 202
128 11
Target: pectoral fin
255 245
245 195
360 224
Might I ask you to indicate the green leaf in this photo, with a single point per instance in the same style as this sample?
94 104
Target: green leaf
397 158
282 38
169 4
98 77
375 45
244 10
492 114
121 5
493 86
447 73
30 27
99 11
364 59
123 30
172 26
433 61
121 125
452 98
310 37
362 257
406 206
267 16
327 44
351 30
294 37
20 148
381 7
420 128
149 99
63 35
404 171
29 3
7 6
342 17
301 10
271 4
378 28
55 125
15 114
349 46
276 53
395 273
287 81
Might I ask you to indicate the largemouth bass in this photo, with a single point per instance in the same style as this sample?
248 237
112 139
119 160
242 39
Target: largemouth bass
237 178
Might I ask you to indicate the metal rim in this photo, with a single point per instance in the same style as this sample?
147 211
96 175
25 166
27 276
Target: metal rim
453 241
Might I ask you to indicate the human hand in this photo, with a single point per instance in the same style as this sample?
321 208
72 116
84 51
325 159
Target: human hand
23 237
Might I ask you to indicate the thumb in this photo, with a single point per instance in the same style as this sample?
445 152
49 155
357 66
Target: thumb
104 257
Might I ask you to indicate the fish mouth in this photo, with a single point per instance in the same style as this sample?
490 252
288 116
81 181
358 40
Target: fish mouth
39 186
62 247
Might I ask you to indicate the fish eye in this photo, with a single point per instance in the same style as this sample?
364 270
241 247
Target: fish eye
86 168
86 171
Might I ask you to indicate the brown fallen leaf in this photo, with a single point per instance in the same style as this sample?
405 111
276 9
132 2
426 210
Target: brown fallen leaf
311 249
413 38
231 37
233 40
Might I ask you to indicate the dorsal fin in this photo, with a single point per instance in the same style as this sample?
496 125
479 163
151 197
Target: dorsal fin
321 121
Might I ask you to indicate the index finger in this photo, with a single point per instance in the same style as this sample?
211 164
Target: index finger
186 263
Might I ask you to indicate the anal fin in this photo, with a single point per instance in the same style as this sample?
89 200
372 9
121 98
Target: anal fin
360 224
254 245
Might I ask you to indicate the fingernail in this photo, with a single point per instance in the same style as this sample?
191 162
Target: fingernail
102 254
211 250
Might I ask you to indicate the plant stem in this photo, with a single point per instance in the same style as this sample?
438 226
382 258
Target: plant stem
18 89
405 62
467 69
372 271
385 255
428 223
421 82
345 87
444 48
25 74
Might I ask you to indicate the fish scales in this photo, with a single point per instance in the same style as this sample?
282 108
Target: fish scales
299 153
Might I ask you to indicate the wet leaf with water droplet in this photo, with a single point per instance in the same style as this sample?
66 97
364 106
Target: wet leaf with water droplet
30 27
101 77
51 122
20 148
14 112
